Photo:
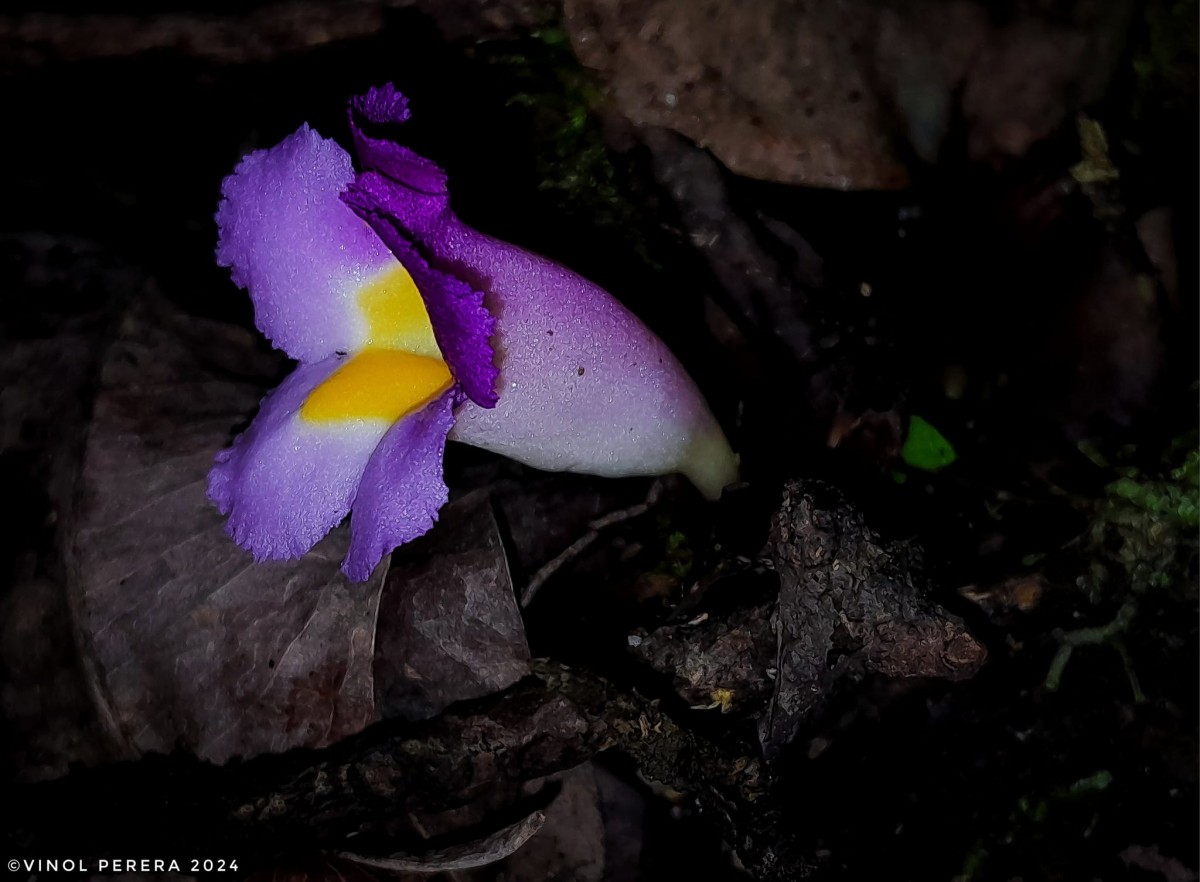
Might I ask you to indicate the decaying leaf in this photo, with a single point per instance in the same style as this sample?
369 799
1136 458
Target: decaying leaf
449 628
58 292
188 643
849 604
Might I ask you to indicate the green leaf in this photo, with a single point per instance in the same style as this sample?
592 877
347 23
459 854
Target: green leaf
925 447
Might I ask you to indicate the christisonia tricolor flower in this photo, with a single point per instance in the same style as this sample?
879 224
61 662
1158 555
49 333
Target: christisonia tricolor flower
410 327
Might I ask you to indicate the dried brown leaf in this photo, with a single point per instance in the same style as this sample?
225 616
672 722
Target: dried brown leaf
449 627
189 643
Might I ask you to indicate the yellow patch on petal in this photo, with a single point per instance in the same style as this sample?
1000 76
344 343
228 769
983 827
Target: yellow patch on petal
377 384
395 314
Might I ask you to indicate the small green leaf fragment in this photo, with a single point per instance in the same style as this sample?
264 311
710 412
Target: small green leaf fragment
925 447
1092 783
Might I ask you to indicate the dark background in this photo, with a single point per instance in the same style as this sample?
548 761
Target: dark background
1041 315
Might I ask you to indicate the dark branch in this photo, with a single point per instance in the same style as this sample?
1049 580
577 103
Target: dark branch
310 799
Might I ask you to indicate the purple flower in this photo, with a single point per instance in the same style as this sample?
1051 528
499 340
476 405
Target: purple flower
410 328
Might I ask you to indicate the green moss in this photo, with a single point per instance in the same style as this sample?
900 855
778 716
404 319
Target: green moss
560 99
1144 533
1139 554
672 549
678 557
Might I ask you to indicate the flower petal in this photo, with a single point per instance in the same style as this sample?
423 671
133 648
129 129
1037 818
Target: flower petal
462 324
402 488
302 254
382 107
287 481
